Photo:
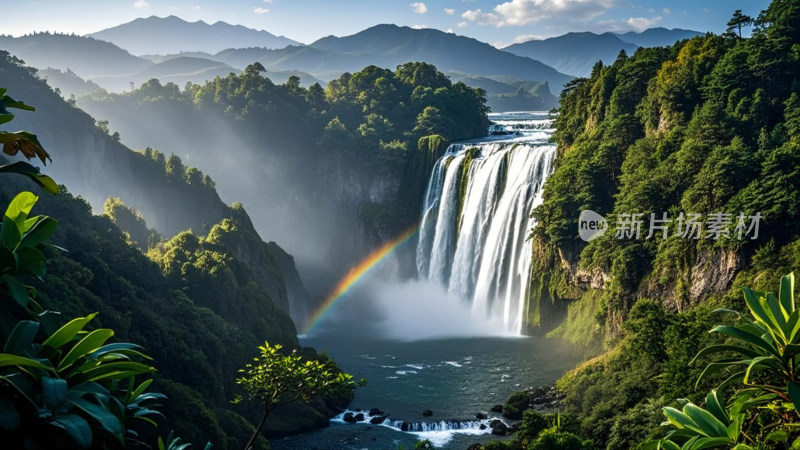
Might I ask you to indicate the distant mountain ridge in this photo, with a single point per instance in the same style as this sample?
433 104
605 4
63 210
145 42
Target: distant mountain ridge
87 57
658 37
157 35
389 46
577 53
574 53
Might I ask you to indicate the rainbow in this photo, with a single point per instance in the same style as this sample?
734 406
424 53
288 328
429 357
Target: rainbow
357 273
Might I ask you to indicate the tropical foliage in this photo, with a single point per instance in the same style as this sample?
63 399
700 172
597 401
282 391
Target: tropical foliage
64 387
761 361
277 380
196 350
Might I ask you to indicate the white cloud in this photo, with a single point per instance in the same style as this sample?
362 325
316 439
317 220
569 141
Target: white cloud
706 10
419 27
524 12
419 7
462 24
449 11
261 10
141 4
450 30
667 11
642 23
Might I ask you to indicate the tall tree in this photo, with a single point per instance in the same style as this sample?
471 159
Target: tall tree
738 21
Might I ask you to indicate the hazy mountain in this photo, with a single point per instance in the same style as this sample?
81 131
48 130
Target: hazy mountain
157 35
390 45
510 95
87 57
574 53
303 58
657 37
68 82
178 70
157 58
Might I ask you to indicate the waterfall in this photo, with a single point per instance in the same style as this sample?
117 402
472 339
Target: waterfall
476 217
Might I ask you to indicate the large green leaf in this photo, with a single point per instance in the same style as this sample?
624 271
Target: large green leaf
751 298
54 391
114 371
668 445
8 102
20 342
7 360
710 425
124 348
68 332
777 316
76 427
42 229
747 337
90 343
707 442
32 262
103 416
786 292
717 407
16 289
679 419
711 349
32 172
16 214
760 362
133 394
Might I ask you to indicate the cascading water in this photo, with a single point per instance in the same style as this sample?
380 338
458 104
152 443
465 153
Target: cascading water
476 217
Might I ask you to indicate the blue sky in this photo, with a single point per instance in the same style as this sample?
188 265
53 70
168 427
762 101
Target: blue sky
495 21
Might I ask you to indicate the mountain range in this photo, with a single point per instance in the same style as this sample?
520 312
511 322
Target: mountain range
530 74
172 35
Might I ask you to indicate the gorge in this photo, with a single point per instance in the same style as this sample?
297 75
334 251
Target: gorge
386 224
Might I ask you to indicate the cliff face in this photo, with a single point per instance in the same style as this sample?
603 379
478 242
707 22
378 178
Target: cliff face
563 287
665 135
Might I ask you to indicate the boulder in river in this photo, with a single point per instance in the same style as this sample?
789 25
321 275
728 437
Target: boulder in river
500 429
377 420
497 408
360 417
375 412
427 413
348 417
481 416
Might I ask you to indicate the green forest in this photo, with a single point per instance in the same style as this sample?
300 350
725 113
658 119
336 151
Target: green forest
197 305
709 125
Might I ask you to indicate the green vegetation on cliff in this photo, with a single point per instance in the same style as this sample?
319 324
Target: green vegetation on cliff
354 156
707 126
199 306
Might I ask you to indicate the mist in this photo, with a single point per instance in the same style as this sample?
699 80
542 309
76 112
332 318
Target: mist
410 310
